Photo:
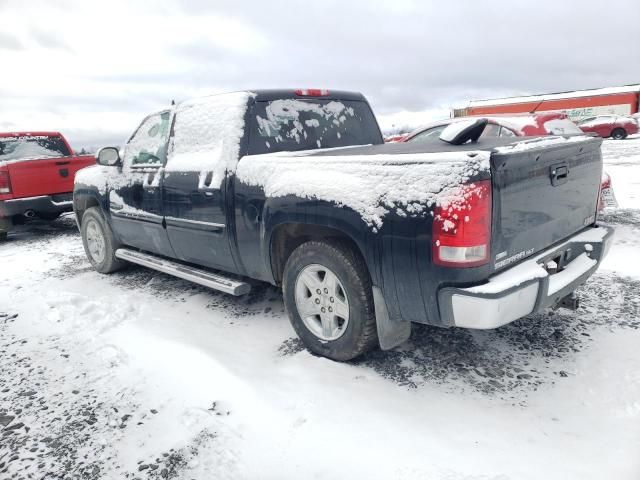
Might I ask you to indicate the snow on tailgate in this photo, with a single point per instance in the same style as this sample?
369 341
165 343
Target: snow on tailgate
207 134
372 185
540 142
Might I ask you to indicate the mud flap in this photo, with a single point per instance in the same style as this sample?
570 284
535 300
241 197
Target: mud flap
391 333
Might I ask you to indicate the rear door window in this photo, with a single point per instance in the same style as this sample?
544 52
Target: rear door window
25 147
295 124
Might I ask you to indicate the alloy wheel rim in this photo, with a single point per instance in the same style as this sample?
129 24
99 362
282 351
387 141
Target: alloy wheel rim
95 241
322 302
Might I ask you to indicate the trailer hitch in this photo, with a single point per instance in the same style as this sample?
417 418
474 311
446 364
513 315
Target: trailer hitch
570 302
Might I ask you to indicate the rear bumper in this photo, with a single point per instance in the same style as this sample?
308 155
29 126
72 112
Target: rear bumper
62 202
527 287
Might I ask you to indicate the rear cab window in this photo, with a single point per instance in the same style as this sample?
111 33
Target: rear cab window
307 124
25 147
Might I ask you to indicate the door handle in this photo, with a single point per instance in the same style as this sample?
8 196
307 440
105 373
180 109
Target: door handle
205 184
559 174
147 183
208 191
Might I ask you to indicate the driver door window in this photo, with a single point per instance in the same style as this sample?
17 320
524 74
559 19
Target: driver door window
148 146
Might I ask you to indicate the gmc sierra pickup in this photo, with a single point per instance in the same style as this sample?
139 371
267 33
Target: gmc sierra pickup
296 188
36 176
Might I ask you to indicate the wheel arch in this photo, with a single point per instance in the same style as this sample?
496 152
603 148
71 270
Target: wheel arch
287 236
621 128
82 202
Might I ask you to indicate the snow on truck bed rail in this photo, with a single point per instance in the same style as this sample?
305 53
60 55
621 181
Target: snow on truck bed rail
371 185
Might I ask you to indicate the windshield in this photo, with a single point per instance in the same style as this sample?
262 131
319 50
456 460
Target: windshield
292 124
28 147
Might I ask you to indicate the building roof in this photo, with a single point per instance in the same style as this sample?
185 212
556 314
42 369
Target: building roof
634 88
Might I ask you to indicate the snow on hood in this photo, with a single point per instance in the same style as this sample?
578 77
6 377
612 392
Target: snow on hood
101 177
372 185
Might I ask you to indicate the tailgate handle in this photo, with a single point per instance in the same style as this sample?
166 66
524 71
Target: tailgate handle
559 174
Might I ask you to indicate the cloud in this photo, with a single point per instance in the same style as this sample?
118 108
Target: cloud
9 42
49 39
122 60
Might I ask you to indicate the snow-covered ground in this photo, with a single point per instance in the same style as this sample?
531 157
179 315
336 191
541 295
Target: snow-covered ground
140 375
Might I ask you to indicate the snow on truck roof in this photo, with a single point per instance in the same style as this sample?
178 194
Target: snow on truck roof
267 94
635 88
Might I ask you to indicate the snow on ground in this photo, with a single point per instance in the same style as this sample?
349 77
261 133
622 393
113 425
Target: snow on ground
140 375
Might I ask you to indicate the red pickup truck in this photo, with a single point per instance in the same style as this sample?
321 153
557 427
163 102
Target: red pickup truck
37 170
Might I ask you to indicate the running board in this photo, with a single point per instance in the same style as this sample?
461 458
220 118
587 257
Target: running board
195 275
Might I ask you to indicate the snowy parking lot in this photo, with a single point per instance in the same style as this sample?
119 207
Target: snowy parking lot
141 375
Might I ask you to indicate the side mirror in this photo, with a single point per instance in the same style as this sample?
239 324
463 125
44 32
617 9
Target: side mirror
109 157
458 133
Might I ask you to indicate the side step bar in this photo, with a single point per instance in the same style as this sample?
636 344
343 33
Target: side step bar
195 275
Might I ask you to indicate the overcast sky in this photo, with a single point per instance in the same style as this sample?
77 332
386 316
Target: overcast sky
93 69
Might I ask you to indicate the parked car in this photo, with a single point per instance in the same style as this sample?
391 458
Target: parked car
297 188
614 126
398 137
36 176
513 125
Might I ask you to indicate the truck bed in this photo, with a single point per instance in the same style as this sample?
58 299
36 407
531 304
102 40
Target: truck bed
544 189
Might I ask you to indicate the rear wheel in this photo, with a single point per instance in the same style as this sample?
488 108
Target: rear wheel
3 236
619 134
327 294
99 242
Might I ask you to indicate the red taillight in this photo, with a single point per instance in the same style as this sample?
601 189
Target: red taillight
462 227
605 183
312 92
5 182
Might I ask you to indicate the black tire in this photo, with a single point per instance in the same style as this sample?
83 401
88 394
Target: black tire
360 334
49 216
3 236
619 134
109 263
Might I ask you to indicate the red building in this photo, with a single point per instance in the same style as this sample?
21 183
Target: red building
577 104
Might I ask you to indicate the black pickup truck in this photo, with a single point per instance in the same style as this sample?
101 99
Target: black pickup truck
296 188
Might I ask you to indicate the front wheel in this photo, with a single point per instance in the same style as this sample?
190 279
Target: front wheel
99 242
619 134
327 294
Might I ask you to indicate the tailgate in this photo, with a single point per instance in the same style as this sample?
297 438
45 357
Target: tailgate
47 176
544 190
